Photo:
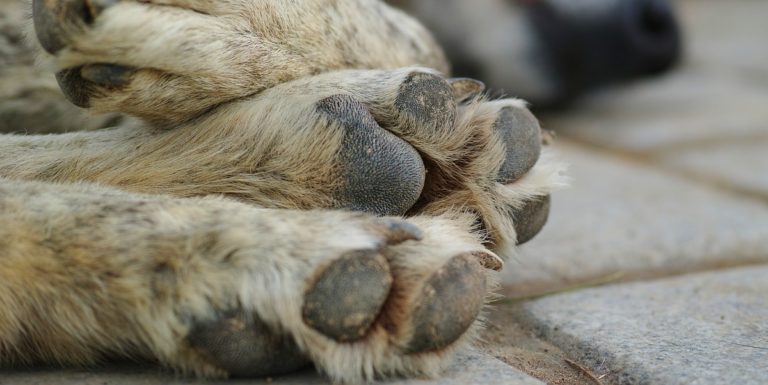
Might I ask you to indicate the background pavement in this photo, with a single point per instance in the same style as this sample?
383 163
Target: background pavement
654 266
667 219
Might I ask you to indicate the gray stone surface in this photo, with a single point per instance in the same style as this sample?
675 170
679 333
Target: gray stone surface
741 165
625 220
470 368
727 35
708 328
687 106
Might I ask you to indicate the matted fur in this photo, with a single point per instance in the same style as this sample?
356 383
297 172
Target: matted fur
202 218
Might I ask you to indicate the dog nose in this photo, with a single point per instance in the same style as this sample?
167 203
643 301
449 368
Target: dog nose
591 43
652 34
54 19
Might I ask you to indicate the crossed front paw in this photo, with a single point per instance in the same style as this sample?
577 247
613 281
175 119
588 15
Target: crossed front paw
169 61
472 155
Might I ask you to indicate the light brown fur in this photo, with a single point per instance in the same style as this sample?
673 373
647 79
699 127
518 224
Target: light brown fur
201 217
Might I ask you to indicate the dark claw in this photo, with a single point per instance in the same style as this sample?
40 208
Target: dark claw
96 7
466 88
382 174
398 231
245 347
521 134
348 296
531 218
489 260
450 302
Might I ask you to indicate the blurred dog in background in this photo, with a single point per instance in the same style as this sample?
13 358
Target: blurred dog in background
550 52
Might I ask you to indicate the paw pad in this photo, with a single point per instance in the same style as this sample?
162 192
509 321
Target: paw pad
381 173
245 347
428 99
531 218
520 132
346 299
107 75
450 301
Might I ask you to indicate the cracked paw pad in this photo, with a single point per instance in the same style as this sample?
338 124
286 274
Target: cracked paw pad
346 299
381 173
107 75
245 347
429 100
449 303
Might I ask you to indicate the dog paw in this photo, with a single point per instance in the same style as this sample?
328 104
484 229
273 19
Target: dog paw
360 297
168 61
480 156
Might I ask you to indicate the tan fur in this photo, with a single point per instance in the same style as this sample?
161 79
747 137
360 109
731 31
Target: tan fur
202 218
238 48
72 295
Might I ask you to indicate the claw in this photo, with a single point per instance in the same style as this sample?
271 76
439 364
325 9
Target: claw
96 7
404 231
465 88
489 260
398 231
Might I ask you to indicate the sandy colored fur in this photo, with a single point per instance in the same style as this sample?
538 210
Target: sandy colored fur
213 52
276 150
72 295
116 242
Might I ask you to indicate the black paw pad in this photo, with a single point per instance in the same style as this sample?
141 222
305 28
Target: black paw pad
531 218
245 347
428 99
381 174
49 18
348 296
450 302
54 19
76 89
107 75
520 132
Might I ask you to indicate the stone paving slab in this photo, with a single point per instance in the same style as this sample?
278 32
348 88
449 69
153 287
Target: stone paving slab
472 367
701 329
621 219
683 107
741 165
726 35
